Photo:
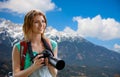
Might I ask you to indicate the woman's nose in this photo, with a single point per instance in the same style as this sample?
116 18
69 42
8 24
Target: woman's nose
40 24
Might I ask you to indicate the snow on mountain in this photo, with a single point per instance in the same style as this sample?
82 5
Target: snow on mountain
10 31
67 34
15 31
75 50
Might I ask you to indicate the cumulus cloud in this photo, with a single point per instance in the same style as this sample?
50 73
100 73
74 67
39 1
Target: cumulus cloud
103 29
117 47
23 6
69 30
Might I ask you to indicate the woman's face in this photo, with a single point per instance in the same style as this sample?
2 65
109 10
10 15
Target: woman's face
39 24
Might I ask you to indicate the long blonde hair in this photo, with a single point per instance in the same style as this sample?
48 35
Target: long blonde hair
28 23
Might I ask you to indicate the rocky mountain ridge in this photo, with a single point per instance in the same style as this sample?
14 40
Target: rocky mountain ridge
80 55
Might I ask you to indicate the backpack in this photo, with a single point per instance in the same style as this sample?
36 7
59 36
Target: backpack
25 46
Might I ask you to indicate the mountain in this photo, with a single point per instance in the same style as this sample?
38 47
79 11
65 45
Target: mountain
82 58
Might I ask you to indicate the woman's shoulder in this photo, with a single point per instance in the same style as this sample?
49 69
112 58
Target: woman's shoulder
53 43
17 45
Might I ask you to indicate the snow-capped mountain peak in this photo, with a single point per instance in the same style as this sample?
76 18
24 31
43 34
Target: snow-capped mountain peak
14 31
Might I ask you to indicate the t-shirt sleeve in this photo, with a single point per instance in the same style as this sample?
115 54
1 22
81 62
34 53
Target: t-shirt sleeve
54 44
18 46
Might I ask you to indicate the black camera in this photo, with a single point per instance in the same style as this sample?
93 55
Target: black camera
57 63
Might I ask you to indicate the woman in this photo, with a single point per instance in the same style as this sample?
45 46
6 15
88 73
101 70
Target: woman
33 28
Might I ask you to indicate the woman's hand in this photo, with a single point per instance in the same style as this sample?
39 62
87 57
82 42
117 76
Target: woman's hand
47 62
38 62
52 69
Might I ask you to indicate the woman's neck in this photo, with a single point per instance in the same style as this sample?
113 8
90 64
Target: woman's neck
36 39
36 43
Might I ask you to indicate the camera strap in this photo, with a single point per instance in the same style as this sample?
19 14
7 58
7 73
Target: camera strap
47 44
30 51
26 46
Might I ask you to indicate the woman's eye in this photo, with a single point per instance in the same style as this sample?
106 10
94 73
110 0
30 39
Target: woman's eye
43 21
35 22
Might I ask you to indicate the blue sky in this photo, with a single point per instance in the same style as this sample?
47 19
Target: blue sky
96 20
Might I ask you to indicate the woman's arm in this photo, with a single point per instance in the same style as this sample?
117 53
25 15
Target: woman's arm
52 69
16 64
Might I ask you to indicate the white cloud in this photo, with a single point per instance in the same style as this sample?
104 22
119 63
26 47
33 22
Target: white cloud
23 6
117 47
104 29
69 30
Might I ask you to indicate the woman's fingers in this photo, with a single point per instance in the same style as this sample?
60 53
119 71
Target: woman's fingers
38 62
39 56
47 62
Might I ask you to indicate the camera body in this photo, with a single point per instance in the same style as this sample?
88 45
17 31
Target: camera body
55 62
